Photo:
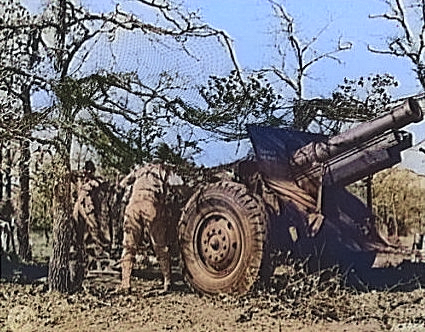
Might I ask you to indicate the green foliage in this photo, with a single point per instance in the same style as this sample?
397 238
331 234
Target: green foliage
353 101
232 103
189 172
115 152
364 98
172 155
76 94
117 149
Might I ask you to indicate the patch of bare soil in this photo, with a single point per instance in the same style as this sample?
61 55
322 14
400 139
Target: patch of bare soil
295 301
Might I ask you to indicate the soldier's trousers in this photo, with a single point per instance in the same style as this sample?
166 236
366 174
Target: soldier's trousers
140 216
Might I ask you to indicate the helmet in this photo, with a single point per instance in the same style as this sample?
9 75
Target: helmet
89 167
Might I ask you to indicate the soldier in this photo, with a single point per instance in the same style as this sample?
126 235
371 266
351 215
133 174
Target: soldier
150 211
92 229
89 171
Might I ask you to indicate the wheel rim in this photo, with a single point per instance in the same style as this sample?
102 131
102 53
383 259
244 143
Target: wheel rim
219 244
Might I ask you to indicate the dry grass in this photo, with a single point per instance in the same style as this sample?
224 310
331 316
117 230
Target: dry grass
398 194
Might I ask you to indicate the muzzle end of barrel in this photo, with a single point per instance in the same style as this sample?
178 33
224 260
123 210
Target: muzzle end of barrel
416 110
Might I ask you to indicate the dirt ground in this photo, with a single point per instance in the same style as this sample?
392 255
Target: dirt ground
386 299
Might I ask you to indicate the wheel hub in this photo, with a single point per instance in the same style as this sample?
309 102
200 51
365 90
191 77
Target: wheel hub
219 243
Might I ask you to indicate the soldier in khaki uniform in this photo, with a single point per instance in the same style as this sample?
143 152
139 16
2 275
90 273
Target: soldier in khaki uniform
150 211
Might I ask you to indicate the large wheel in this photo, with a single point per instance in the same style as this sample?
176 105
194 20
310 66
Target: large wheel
222 233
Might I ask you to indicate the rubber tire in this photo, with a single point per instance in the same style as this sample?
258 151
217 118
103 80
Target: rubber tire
239 220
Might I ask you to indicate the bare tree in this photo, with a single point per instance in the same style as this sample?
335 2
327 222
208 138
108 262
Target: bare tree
177 26
408 16
297 57
16 51
63 36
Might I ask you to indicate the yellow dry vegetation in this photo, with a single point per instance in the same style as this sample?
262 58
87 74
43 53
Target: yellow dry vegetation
399 195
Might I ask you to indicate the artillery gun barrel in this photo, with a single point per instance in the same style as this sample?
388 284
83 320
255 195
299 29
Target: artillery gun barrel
319 152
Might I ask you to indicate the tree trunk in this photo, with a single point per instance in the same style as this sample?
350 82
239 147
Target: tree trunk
8 172
59 272
23 220
8 191
59 268
22 224
60 278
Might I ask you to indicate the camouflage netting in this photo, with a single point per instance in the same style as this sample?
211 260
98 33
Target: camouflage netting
174 66
188 62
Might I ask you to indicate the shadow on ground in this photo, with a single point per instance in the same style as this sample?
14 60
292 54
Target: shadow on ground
406 276
14 270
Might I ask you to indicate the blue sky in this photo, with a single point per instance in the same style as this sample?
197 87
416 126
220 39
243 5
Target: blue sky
250 23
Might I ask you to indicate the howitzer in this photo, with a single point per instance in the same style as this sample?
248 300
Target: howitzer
358 152
229 227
